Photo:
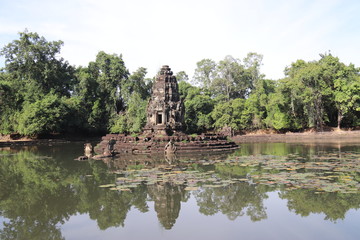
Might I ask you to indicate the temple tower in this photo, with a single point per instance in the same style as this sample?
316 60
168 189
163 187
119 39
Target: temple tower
165 111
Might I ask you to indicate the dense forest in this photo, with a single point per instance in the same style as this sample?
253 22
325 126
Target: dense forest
41 93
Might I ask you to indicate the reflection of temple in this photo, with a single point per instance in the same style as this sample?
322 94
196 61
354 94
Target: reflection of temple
167 200
165 112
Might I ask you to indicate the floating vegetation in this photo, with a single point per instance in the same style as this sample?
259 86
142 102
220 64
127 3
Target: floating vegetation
107 185
192 179
328 172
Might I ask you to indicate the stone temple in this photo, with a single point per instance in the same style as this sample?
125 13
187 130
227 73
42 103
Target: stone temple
165 111
164 128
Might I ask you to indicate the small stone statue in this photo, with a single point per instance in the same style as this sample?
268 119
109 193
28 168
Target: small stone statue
109 150
88 150
170 148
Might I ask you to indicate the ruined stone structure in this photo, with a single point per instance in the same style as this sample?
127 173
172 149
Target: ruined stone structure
165 111
162 133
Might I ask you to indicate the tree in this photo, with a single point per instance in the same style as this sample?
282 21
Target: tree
136 113
136 83
309 89
197 115
252 63
47 115
34 77
255 108
231 79
198 106
135 92
318 90
184 89
345 85
182 76
204 73
100 90
277 117
7 103
230 114
110 72
33 64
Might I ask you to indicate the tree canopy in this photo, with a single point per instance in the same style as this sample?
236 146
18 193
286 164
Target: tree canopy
41 93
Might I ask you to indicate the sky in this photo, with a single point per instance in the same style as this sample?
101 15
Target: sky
152 33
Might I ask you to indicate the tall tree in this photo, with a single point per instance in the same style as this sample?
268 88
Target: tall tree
230 79
136 82
344 86
182 76
309 89
252 63
35 78
34 65
100 89
318 88
7 103
135 91
204 72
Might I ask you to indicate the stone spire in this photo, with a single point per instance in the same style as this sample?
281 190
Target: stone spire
165 111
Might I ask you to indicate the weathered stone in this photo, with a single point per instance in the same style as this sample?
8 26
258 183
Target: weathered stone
165 111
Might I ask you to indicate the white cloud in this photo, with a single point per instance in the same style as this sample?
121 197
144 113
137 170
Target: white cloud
180 33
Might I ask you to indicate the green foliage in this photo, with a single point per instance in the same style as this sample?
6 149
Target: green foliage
315 88
184 88
103 88
41 93
136 83
42 116
136 113
134 119
7 104
276 117
33 86
198 108
204 72
182 76
229 77
33 64
120 124
230 114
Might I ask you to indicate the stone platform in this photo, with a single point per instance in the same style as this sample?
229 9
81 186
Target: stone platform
157 144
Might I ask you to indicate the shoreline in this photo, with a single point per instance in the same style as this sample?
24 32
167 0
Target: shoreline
6 141
330 136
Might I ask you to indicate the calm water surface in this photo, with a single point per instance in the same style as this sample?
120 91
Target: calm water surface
261 191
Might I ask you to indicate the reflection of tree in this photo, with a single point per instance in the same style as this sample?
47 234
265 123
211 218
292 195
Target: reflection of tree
22 229
32 197
167 199
109 208
333 205
234 200
38 193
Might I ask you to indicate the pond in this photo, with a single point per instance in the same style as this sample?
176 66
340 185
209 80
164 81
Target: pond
261 191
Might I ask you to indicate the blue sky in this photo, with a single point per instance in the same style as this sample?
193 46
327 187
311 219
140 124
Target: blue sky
180 33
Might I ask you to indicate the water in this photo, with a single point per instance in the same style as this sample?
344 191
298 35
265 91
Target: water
261 191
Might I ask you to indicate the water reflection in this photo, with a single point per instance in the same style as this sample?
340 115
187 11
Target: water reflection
333 205
42 187
167 198
234 201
